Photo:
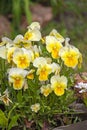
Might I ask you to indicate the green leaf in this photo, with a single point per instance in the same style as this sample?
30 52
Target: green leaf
13 122
40 124
3 119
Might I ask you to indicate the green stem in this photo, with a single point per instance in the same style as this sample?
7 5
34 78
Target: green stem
27 11
9 114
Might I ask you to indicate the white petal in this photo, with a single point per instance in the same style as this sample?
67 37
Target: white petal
3 52
18 38
34 25
39 61
19 71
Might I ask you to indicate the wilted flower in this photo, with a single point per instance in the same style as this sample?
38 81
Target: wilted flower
5 98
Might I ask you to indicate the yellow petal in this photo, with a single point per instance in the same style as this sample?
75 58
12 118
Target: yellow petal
59 91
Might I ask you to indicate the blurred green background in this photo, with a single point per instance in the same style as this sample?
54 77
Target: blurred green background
69 17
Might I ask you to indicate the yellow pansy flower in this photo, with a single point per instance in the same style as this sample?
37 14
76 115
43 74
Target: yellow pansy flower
70 55
59 84
22 57
46 90
44 69
17 77
43 72
33 33
57 35
35 107
53 46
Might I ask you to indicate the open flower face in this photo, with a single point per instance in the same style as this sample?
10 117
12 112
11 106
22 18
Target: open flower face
33 33
44 69
53 46
46 90
70 55
17 77
43 72
22 57
58 84
57 35
35 107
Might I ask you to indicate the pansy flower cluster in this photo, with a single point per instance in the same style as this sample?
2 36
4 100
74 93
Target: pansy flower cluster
35 65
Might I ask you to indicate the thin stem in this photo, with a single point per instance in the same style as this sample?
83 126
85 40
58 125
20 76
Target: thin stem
27 11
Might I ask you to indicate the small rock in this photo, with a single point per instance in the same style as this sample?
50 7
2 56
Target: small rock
78 107
78 126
